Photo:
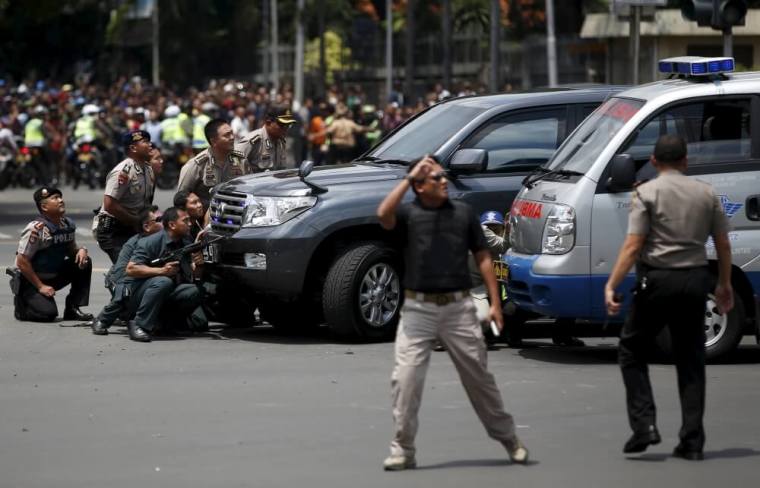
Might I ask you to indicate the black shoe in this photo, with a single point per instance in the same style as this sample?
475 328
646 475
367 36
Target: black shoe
640 441
99 328
137 333
683 453
74 313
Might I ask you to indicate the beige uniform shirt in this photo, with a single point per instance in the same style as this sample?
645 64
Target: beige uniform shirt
202 173
132 185
261 152
676 214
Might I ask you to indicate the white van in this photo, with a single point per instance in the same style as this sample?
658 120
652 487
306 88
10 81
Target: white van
570 218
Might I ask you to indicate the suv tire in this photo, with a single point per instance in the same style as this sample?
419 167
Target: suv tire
362 294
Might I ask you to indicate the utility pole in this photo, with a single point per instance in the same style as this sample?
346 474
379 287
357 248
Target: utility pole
388 48
322 56
495 19
155 47
635 42
298 68
446 31
275 48
551 44
409 51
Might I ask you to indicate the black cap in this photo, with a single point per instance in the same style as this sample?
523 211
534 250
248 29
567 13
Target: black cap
133 137
281 115
43 193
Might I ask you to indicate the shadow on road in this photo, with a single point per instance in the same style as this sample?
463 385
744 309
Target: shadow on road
729 453
472 463
269 335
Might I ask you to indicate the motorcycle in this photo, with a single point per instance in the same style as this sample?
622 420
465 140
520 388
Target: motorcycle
24 173
87 168
175 156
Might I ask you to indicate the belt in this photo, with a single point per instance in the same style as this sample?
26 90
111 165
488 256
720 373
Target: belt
439 299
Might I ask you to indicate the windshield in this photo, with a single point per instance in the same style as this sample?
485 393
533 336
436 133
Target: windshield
426 133
594 134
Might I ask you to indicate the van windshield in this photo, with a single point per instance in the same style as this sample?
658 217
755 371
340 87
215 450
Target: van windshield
428 132
580 150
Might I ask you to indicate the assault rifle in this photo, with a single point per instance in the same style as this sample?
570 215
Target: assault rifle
177 254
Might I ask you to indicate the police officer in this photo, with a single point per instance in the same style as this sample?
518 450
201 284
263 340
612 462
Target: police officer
671 218
150 223
49 259
435 230
217 164
168 287
129 189
264 148
200 141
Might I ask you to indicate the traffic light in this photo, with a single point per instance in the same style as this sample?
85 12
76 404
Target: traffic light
718 14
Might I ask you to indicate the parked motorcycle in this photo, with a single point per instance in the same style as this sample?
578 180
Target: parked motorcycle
87 166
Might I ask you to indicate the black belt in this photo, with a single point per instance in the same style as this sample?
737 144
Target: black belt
439 299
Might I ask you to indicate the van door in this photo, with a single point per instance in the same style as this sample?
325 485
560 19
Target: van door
517 142
719 143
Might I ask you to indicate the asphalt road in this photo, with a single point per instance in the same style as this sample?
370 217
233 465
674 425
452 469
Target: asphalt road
249 407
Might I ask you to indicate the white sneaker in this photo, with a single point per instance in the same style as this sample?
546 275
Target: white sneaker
517 451
399 463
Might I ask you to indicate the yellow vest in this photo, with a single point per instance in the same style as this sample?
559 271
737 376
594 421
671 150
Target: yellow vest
85 129
33 135
199 136
171 131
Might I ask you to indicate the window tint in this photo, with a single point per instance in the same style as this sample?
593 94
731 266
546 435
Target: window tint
521 141
715 132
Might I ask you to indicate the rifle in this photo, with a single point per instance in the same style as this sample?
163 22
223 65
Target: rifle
177 254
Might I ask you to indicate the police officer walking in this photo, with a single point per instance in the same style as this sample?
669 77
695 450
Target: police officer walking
48 259
671 218
264 148
215 165
129 190
435 230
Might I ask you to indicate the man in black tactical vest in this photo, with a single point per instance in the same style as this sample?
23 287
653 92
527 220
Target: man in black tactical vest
48 259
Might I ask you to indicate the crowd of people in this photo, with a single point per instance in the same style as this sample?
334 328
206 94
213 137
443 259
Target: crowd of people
57 120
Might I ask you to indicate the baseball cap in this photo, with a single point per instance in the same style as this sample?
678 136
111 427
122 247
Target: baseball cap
45 192
281 115
491 217
133 137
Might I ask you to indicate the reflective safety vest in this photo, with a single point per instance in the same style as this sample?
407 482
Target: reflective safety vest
84 130
33 135
171 131
199 136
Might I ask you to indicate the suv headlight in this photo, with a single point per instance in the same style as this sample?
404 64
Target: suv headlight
268 211
559 230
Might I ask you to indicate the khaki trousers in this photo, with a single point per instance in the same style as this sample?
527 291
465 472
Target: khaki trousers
457 327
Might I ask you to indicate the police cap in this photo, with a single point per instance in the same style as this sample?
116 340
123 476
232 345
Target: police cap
43 193
281 115
134 137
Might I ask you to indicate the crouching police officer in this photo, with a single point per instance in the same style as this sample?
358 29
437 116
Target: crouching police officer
48 259
169 287
264 148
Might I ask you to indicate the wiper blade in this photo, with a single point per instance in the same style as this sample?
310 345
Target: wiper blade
539 169
367 158
376 160
558 172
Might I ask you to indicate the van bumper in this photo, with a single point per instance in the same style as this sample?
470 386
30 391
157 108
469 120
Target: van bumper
551 295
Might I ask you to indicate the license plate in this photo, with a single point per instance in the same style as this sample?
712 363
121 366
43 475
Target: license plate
85 157
211 253
502 270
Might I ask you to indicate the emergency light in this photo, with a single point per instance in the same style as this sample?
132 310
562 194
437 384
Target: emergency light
695 66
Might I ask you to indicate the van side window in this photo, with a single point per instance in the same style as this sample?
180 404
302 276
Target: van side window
716 131
520 142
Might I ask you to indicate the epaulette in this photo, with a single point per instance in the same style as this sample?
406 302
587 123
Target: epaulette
236 154
202 158
255 139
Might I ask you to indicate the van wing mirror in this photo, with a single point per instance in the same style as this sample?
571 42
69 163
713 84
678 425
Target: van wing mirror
469 161
622 173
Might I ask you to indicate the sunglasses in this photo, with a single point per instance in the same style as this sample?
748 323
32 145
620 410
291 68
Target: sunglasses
438 176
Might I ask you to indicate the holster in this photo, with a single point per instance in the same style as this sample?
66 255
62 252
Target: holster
15 281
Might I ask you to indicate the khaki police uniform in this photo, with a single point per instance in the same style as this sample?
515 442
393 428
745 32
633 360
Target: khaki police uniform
52 250
202 173
676 214
132 184
262 152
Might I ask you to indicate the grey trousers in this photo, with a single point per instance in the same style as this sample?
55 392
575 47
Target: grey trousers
457 327
159 292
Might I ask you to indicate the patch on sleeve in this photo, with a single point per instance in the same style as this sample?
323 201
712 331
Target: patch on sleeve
123 178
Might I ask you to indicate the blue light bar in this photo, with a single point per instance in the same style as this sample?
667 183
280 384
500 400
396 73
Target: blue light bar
695 66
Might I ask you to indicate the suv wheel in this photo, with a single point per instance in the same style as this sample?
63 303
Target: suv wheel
362 292
722 332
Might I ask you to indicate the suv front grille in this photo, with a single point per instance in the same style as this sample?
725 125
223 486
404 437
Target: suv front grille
226 210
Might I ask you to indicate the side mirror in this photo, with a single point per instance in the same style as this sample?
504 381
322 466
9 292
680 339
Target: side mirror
622 173
305 169
469 161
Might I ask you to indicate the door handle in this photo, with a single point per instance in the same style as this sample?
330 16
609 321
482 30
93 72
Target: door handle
752 207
